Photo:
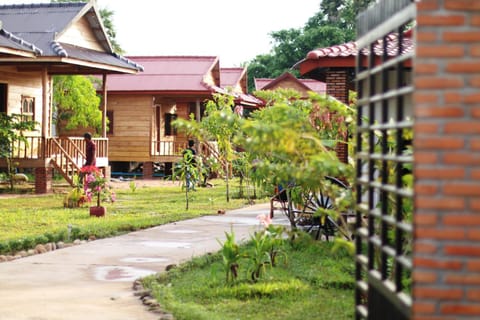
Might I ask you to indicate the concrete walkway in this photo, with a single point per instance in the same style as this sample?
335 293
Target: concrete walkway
94 280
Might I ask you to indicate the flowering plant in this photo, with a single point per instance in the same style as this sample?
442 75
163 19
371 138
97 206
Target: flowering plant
76 197
95 185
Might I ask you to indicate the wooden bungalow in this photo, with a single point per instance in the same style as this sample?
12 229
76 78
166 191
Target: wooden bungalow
38 41
289 81
141 109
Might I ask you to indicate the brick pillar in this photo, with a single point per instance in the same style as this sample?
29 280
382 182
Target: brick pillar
337 86
446 249
43 180
148 170
107 172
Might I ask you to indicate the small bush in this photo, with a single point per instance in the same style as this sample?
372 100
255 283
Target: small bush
5 248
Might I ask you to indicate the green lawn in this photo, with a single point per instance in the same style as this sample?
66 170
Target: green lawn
314 283
28 219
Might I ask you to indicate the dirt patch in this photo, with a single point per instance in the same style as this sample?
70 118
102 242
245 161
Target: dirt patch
140 183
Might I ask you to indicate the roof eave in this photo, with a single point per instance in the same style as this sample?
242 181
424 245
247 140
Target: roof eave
16 52
100 66
307 65
162 92
64 63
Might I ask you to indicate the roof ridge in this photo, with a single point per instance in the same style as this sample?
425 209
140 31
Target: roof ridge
43 5
170 56
130 62
21 42
170 74
231 68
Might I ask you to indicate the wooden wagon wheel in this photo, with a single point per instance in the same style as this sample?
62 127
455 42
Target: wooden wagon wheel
310 217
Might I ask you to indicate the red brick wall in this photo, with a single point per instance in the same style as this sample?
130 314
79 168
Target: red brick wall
337 86
43 180
447 161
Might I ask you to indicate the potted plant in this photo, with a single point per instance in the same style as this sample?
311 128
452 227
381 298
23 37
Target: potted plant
76 197
96 188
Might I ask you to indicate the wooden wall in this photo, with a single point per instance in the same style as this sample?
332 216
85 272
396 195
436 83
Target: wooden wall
289 84
80 34
26 84
132 121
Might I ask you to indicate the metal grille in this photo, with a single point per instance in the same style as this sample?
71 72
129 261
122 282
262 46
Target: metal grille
384 158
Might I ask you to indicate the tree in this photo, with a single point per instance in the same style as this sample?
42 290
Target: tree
334 23
75 102
219 124
11 136
293 140
107 19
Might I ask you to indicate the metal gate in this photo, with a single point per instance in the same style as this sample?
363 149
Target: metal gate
384 161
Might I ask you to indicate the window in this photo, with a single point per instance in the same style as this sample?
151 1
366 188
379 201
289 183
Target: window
169 129
3 97
28 108
110 121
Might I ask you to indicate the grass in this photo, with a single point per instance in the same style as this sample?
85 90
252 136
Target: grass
315 283
29 219
312 283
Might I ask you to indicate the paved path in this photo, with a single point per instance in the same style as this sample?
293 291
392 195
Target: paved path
94 281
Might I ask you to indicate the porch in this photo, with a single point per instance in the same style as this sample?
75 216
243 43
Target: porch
167 149
65 154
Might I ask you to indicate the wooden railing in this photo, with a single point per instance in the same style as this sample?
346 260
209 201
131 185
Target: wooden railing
43 148
68 164
31 148
167 148
175 148
66 154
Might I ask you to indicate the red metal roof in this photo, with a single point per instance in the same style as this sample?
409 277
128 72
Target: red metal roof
231 77
168 73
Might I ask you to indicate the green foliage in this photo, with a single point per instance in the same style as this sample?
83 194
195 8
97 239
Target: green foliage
292 140
188 171
219 124
315 284
258 255
334 23
12 128
75 197
230 256
133 186
262 251
75 101
107 19
242 166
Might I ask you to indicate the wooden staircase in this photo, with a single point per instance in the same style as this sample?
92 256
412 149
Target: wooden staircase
67 158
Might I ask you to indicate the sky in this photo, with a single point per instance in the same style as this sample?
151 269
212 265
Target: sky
235 31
